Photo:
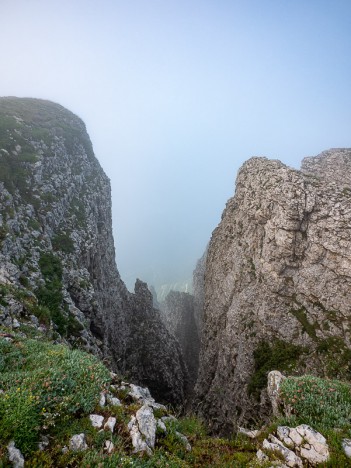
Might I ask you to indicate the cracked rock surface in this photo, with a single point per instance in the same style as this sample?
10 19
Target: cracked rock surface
278 267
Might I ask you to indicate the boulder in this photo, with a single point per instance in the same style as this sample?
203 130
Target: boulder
15 455
96 420
78 443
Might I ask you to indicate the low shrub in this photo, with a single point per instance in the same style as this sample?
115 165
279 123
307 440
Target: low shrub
44 384
278 355
321 403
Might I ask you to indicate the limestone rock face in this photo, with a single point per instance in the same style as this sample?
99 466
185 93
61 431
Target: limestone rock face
278 268
57 249
199 290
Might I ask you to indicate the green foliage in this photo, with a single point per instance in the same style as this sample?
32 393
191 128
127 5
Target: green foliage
50 295
321 403
73 327
307 327
50 267
63 242
14 165
3 293
44 384
279 355
19 416
3 234
336 357
42 313
34 224
191 426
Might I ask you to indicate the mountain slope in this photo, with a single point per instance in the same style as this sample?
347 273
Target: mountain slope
56 245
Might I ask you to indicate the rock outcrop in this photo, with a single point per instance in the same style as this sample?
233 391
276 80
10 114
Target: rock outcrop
199 290
57 258
277 285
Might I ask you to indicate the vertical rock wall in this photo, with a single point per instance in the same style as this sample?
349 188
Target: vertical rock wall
56 243
277 284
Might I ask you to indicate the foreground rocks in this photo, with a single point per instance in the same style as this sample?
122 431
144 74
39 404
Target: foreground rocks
15 456
278 270
298 446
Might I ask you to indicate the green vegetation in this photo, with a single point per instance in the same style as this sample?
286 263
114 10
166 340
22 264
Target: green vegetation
318 402
44 385
323 404
63 242
25 122
336 357
279 355
50 389
307 327
50 295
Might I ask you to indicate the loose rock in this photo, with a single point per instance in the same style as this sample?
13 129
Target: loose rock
15 455
96 420
110 424
78 443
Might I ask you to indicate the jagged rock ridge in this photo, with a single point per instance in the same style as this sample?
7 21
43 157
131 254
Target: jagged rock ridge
277 283
56 245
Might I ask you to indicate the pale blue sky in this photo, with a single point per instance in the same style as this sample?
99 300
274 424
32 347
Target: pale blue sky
176 95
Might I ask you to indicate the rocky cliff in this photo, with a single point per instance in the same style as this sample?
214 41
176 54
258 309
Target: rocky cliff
57 259
277 285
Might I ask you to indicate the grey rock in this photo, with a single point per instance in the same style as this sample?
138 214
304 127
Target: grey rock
15 455
143 396
102 401
15 323
114 401
139 393
262 457
138 442
147 424
63 207
278 261
96 420
314 448
109 447
34 320
77 443
184 441
252 434
346 445
110 424
43 443
274 381
291 459
161 426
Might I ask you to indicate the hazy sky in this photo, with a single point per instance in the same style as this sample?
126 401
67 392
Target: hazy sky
176 95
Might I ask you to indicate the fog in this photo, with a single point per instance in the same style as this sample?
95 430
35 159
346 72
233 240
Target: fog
176 95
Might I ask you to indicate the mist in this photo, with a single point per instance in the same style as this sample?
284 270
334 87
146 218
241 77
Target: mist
176 95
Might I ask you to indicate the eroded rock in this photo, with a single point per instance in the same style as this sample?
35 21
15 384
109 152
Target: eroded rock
277 273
